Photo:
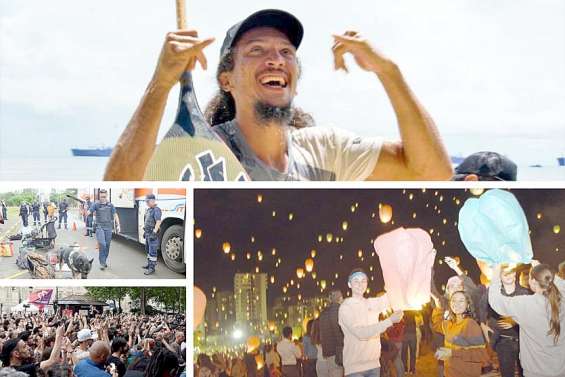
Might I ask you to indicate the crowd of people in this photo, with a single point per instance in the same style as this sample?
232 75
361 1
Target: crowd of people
93 345
510 325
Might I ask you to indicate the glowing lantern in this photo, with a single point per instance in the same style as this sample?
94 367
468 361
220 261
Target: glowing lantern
411 196
226 247
477 191
272 279
320 238
329 237
556 229
232 256
314 275
198 233
299 272
274 251
385 213
274 213
344 225
353 208
253 343
259 198
494 228
359 253
285 289
323 284
199 299
309 264
313 253
406 257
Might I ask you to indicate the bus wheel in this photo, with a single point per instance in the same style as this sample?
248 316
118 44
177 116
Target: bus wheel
172 248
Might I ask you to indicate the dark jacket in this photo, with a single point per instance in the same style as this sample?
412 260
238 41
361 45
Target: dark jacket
331 336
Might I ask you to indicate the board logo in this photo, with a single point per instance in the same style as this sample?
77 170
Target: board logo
212 169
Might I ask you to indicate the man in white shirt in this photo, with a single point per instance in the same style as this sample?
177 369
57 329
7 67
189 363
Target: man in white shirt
359 320
289 353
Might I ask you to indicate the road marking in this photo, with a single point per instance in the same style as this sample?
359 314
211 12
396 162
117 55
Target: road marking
16 275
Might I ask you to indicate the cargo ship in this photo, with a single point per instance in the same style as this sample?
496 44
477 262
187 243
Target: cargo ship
561 161
92 152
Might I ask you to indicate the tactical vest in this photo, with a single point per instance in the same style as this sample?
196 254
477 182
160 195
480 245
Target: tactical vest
104 218
149 220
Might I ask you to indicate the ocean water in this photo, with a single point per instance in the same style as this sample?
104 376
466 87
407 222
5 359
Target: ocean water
92 169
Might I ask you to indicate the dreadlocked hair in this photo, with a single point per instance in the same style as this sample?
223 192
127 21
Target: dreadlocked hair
221 107
544 275
161 361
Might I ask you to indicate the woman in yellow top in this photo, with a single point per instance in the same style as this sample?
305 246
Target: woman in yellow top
464 349
51 209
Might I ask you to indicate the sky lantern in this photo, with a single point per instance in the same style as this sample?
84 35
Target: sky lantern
329 237
320 238
494 228
226 246
385 213
309 264
314 275
198 232
272 279
313 253
259 198
406 257
323 284
199 300
344 225
285 289
290 216
274 213
300 272
274 251
556 229
232 256
411 196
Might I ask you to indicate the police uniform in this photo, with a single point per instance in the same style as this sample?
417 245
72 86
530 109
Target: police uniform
35 211
24 214
104 226
63 206
152 215
88 219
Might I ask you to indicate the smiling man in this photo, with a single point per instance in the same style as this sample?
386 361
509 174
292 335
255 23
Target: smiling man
254 114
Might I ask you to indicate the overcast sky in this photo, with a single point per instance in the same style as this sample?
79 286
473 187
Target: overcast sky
72 72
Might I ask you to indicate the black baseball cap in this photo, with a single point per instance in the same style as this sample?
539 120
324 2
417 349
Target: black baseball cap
488 166
150 196
275 18
7 350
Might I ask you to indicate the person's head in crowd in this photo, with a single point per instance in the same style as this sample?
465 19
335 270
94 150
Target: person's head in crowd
561 271
357 282
335 296
460 305
508 274
486 166
120 346
86 338
541 282
287 332
454 284
15 352
204 361
179 337
163 363
99 352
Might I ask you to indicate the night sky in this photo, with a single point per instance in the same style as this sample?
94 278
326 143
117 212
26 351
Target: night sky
236 215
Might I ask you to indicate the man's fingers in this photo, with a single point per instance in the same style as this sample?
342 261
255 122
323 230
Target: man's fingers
339 61
181 47
191 32
348 40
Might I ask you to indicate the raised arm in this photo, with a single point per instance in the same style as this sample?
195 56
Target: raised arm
135 146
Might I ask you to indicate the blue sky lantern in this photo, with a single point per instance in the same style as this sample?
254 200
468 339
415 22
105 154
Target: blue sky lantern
494 228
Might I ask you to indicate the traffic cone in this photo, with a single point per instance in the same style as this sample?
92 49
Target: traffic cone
74 226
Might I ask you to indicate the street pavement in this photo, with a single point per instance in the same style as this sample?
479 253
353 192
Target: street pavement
125 260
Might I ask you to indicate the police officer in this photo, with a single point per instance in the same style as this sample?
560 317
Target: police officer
106 216
88 219
4 210
35 212
63 207
24 213
152 223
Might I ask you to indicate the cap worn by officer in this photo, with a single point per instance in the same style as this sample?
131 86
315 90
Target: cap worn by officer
275 18
150 197
487 166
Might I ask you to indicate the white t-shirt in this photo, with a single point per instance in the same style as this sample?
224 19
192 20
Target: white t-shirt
314 154
288 351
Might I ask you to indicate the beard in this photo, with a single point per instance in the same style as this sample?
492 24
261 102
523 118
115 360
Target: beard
267 113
